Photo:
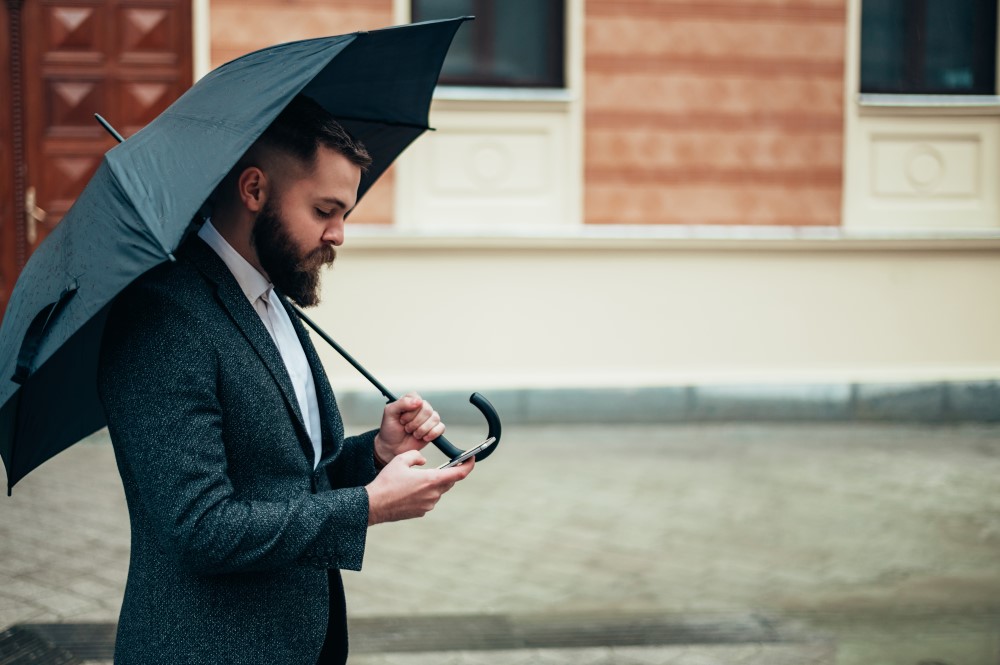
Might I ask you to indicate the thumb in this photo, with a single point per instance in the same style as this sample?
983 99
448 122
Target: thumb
405 403
411 458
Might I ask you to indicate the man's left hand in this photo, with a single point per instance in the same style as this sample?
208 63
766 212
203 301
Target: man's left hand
409 423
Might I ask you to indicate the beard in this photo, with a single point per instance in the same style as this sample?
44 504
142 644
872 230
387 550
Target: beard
292 274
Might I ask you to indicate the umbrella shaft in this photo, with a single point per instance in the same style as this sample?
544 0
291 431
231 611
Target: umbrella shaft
347 356
111 130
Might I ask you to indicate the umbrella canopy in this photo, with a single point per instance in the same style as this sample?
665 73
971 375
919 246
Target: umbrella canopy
141 201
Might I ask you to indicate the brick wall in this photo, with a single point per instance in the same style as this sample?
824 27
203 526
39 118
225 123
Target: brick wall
714 112
241 26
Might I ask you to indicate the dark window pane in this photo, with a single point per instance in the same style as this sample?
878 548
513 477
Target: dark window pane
511 42
929 46
461 60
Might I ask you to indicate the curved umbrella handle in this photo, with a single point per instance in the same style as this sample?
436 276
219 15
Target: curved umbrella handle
492 421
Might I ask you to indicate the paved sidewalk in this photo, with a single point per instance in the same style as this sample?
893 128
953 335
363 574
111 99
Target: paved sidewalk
879 544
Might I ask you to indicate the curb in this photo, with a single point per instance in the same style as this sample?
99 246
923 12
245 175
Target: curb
936 402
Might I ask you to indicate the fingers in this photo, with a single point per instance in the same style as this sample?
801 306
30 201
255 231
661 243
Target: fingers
423 418
431 429
418 418
402 492
417 411
467 467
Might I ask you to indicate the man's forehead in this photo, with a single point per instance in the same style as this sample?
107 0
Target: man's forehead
330 162
332 176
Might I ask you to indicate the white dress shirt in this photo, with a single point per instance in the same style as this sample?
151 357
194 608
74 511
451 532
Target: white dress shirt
261 295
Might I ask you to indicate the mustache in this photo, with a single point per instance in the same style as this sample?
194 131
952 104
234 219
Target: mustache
322 256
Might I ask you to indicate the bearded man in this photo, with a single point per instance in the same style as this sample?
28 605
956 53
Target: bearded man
245 498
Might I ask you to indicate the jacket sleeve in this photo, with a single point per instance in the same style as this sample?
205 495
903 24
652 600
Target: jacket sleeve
158 382
355 466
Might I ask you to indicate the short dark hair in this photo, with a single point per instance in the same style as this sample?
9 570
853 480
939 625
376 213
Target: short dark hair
297 132
303 126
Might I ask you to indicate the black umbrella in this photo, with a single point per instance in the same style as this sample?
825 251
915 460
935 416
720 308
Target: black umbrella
141 202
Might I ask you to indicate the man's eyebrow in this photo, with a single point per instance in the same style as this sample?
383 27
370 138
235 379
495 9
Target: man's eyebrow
334 201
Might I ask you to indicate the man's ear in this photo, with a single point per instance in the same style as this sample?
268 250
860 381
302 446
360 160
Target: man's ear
252 186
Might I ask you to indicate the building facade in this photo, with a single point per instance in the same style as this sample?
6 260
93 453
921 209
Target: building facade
740 193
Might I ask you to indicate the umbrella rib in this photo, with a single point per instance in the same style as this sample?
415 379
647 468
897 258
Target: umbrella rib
391 123
118 137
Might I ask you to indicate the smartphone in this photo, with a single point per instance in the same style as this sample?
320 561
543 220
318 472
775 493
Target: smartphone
469 453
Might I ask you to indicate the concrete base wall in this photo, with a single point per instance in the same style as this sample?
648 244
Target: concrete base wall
922 402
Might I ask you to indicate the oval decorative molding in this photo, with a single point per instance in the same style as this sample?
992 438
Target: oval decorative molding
489 163
925 167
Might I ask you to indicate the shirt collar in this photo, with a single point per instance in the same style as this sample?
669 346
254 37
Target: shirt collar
251 281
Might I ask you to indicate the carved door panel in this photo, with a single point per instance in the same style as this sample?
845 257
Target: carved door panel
125 59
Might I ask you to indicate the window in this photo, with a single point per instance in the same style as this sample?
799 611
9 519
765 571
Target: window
512 43
929 47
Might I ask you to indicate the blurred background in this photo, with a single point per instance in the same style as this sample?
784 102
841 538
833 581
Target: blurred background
728 270
619 194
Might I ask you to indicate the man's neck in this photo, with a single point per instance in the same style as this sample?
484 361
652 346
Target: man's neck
238 234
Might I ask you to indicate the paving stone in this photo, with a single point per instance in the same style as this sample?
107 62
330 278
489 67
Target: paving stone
701 655
65 605
682 518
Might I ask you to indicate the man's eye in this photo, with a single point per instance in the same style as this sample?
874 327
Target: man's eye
324 213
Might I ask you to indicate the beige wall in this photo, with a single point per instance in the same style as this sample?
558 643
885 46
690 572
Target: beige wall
480 313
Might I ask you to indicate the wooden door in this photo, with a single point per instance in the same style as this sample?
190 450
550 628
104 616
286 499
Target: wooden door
9 226
125 59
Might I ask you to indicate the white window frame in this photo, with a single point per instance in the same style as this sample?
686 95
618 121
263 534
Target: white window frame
461 106
924 164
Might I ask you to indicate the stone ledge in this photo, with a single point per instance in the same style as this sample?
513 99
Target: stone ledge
936 402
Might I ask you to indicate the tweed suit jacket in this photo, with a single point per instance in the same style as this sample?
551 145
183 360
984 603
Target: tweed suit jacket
234 533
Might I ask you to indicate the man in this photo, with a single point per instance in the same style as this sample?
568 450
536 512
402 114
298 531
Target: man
244 497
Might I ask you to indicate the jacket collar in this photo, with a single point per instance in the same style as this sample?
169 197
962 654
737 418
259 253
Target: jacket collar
235 303
251 281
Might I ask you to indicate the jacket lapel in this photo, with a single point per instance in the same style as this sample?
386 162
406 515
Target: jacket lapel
235 302
329 414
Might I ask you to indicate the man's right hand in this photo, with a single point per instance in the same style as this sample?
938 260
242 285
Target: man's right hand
401 491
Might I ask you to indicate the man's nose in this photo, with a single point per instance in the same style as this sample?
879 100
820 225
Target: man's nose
334 233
